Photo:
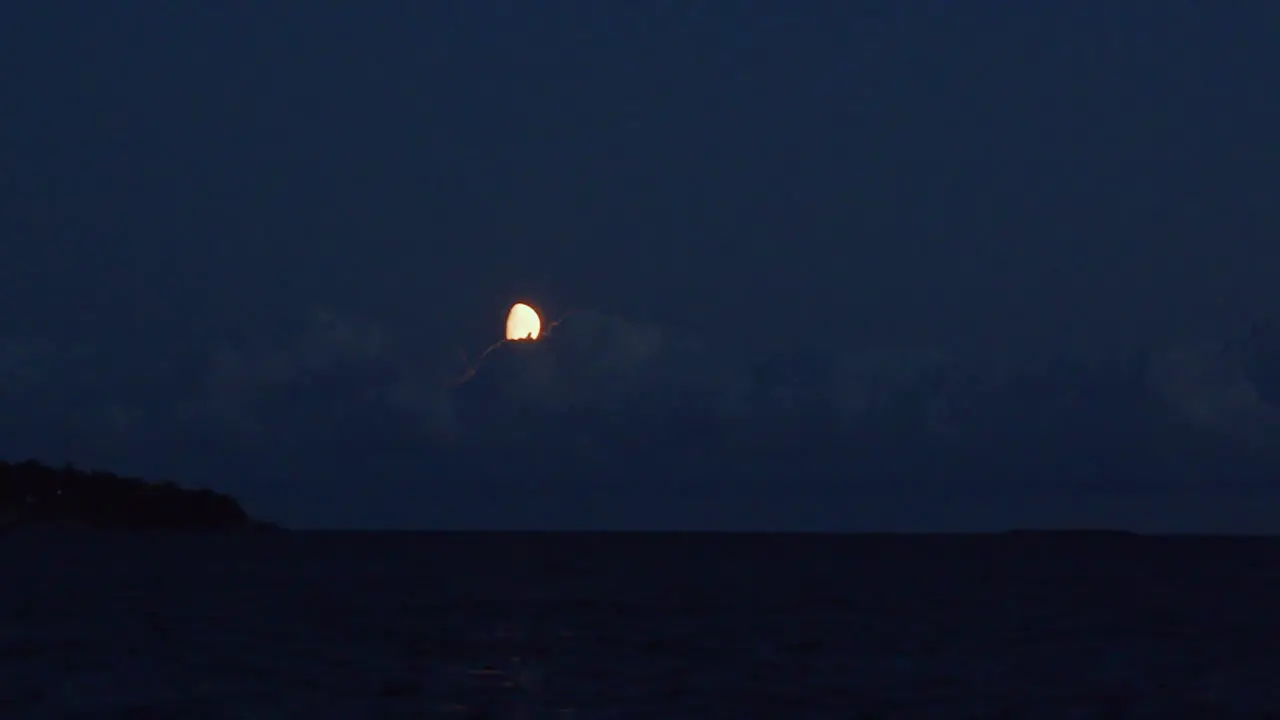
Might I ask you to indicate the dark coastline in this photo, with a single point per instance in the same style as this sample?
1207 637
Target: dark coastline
34 495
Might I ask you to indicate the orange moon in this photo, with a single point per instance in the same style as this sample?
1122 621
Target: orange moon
523 323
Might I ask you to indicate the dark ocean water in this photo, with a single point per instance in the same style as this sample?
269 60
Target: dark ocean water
312 625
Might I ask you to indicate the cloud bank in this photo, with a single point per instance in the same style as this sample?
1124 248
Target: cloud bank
347 422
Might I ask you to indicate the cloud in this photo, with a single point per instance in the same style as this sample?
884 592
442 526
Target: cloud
328 342
596 361
336 364
26 364
343 396
331 340
1211 389
426 401
937 387
1203 384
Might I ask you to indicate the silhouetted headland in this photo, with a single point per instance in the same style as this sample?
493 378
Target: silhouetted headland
33 494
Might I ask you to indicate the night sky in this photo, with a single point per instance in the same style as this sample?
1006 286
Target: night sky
198 200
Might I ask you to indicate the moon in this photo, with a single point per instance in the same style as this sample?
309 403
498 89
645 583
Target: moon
523 323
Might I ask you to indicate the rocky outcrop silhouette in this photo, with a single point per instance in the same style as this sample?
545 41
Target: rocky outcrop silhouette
36 495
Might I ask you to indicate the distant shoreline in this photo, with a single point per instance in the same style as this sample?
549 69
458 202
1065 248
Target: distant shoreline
35 496
1005 535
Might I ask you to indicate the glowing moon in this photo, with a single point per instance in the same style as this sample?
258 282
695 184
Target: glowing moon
523 323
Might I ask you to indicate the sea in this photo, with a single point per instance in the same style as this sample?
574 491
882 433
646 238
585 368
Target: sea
631 625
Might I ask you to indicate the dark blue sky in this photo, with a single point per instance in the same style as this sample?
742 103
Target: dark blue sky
175 181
